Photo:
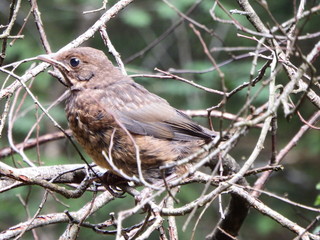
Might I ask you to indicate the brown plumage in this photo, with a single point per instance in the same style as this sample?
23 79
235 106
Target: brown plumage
104 105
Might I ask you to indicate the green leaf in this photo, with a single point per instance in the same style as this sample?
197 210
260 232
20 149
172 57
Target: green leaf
317 201
166 12
136 17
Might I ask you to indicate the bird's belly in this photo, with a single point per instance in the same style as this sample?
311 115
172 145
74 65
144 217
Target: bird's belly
120 154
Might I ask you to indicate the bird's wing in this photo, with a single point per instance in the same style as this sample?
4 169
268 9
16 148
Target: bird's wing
145 113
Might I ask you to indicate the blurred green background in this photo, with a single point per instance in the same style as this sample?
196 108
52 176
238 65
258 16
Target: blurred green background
131 31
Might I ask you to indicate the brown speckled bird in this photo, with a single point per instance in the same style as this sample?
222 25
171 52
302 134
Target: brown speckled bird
105 107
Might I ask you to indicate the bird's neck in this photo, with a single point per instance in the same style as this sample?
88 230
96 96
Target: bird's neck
103 82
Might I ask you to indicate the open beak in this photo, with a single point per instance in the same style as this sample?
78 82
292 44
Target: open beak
50 58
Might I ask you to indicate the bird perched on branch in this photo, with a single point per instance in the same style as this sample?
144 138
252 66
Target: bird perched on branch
109 112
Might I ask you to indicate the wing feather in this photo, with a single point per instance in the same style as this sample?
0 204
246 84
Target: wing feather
148 114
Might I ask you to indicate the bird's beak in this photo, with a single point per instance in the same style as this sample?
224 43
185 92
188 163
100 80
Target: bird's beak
51 59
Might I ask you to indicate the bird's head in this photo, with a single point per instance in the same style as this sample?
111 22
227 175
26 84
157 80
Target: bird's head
82 66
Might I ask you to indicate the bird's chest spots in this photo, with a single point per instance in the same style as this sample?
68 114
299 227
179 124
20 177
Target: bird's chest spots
87 131
96 135
90 125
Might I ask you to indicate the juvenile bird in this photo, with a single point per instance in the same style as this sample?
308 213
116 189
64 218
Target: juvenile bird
107 111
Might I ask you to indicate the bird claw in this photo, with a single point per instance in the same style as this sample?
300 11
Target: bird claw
117 193
114 184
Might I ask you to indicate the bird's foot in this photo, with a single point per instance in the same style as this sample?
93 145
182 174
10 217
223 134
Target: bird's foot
114 184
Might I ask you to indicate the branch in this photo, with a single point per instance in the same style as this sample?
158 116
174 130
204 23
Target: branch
53 218
292 74
114 10
32 176
67 173
260 182
33 142
285 222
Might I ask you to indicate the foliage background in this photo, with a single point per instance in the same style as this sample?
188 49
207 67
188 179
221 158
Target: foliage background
130 31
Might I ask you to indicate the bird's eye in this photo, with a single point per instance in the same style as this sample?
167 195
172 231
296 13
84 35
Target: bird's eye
74 62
